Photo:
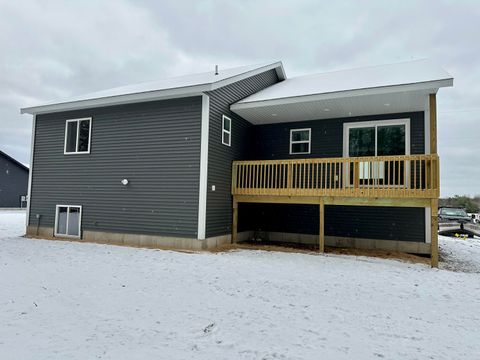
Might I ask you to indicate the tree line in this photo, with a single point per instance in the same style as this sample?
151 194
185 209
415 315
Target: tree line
471 204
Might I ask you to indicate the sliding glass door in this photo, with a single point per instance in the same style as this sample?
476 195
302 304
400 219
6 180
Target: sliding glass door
377 138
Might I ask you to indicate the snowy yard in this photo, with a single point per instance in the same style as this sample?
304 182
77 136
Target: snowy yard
65 300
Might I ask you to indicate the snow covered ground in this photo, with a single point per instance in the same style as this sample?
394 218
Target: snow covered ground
66 300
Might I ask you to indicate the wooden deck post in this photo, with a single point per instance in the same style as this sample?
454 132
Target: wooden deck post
321 240
434 231
234 221
434 182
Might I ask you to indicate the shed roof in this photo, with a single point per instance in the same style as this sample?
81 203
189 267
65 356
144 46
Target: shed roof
16 162
404 73
165 88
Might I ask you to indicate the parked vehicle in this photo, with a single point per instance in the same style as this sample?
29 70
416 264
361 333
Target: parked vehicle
454 220
475 217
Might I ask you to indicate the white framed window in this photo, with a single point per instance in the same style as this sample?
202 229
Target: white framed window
68 220
378 138
300 141
78 133
226 130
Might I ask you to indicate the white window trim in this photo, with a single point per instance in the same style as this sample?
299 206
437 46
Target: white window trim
375 123
68 210
309 141
76 142
226 131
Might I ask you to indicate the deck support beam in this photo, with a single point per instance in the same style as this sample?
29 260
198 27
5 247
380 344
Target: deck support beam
434 232
435 181
334 200
321 240
234 221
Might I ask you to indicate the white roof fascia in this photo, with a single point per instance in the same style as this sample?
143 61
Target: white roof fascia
116 100
278 66
433 85
164 94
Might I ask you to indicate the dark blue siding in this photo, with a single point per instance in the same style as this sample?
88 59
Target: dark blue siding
13 182
384 223
273 141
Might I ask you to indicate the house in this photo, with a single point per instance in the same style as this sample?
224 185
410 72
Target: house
13 182
345 158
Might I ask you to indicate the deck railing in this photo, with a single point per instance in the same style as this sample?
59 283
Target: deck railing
379 176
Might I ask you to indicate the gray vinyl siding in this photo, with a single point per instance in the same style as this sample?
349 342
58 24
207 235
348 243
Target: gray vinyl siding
393 223
13 183
155 145
220 157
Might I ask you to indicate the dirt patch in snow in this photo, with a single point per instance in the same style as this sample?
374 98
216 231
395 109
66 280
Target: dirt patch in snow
311 249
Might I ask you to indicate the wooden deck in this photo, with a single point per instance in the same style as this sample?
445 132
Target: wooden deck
407 181
410 176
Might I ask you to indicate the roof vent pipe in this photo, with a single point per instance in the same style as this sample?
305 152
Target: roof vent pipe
216 69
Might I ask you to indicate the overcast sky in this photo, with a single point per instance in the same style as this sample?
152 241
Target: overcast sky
55 49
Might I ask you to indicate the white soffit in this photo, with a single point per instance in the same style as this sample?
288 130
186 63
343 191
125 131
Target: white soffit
388 103
353 92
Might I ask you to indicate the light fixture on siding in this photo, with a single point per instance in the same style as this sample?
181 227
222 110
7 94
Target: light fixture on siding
125 182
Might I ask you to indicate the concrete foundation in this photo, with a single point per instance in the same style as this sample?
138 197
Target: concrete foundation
177 243
140 240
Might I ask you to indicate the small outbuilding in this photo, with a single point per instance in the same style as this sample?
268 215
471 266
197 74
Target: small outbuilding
13 182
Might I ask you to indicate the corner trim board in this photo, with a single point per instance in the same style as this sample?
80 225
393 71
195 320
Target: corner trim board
426 119
202 194
30 173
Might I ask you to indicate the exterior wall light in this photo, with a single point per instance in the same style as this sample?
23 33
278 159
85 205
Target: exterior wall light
125 182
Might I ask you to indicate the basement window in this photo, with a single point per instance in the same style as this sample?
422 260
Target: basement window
68 220
226 130
300 141
78 133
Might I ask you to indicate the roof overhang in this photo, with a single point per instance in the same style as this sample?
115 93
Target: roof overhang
115 100
163 94
354 102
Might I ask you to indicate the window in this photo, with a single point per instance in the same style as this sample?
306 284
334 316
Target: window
77 136
226 130
378 138
68 220
300 141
